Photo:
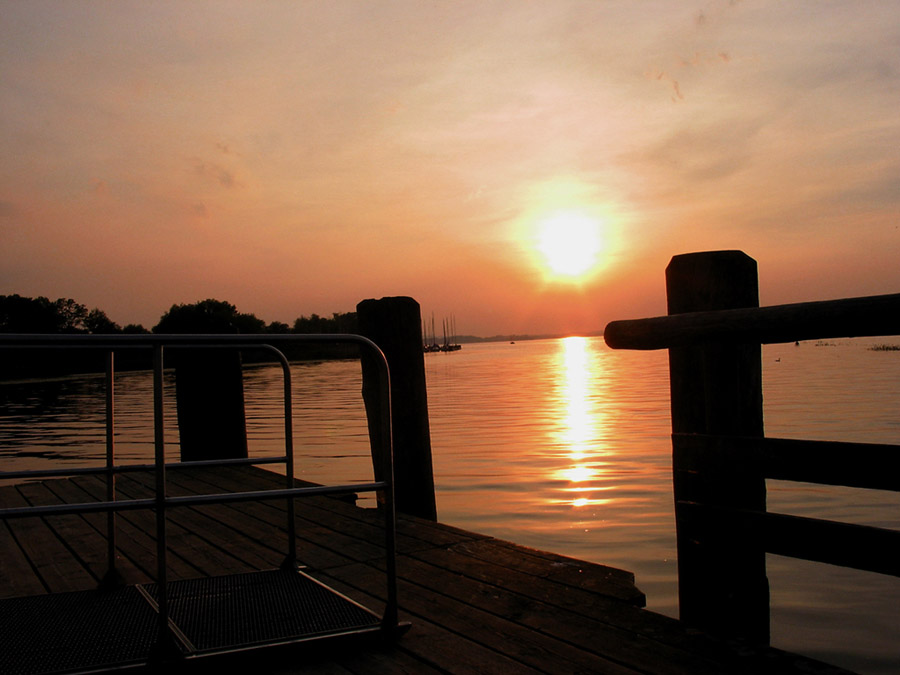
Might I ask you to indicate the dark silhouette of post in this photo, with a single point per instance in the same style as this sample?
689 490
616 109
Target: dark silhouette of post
209 392
717 389
395 325
209 385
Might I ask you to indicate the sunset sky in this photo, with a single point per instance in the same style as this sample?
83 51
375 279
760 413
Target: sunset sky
297 157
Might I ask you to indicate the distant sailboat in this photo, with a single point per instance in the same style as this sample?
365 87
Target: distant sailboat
432 346
449 345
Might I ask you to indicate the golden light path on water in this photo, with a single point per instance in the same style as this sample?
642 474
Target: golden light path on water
580 431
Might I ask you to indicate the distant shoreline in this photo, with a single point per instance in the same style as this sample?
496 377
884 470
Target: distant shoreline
468 339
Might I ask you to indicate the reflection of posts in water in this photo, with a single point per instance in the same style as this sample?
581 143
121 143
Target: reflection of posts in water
395 325
717 389
209 390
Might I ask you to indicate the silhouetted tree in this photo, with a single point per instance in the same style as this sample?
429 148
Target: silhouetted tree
278 328
71 315
307 324
97 322
345 322
208 316
28 315
39 315
19 314
338 323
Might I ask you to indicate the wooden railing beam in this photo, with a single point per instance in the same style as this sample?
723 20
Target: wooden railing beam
877 315
860 547
820 462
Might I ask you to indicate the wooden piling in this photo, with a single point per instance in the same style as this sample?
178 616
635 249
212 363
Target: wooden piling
717 389
395 325
209 390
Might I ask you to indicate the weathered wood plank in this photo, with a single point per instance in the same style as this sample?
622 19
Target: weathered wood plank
17 576
387 660
88 545
430 639
501 617
196 546
560 569
185 560
325 519
477 605
595 622
269 528
369 658
50 558
222 536
132 543
631 638
418 533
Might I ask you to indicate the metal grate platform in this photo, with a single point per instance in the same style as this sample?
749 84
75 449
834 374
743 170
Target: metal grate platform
98 630
258 608
75 631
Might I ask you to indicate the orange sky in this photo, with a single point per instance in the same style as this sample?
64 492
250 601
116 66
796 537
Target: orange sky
296 157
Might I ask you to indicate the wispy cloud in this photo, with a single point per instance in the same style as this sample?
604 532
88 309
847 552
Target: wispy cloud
215 173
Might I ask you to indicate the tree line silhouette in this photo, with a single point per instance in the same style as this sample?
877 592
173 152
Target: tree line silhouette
20 314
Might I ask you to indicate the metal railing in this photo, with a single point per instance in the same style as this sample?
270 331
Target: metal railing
161 502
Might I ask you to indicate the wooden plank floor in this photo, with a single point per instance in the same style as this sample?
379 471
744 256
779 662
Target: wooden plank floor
476 604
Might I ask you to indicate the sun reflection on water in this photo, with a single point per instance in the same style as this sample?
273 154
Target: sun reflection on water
579 433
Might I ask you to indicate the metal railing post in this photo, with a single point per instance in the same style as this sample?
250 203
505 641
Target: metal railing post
160 461
291 561
112 576
390 619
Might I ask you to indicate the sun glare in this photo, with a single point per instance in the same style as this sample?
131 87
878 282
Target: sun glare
570 243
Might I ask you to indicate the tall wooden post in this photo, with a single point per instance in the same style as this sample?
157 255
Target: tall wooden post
395 325
717 389
209 392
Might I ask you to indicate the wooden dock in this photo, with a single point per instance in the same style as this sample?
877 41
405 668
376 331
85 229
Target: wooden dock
476 604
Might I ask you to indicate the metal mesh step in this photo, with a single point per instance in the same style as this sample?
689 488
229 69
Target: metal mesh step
257 608
96 630
75 631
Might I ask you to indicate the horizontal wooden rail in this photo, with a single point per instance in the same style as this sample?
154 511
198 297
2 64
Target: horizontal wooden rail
860 547
823 462
851 317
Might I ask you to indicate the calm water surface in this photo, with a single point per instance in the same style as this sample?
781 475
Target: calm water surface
557 444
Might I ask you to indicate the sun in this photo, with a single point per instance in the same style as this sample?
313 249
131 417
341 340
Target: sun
570 244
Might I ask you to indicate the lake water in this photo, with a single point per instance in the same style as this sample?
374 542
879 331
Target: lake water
558 444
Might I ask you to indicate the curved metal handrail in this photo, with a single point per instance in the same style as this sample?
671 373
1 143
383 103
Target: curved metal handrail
161 502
